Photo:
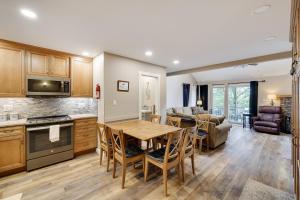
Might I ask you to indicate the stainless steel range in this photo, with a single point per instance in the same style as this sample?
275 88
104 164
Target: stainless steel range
40 150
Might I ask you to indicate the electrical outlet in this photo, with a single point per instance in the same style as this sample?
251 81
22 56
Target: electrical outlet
7 108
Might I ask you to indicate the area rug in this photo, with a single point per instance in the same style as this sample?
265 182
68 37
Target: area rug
254 190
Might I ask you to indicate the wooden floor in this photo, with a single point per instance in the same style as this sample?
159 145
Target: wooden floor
220 174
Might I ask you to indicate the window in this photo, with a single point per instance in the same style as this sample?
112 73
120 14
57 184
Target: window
218 94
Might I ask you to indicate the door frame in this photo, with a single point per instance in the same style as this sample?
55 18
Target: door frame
157 96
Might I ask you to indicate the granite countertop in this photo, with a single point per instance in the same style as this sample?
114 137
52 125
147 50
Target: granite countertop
22 122
82 116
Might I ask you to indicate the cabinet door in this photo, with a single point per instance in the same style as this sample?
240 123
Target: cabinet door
12 154
59 66
37 63
85 134
82 77
11 72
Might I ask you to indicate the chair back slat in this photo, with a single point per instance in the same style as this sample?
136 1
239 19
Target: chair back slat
103 134
202 121
173 146
118 141
155 119
189 140
174 121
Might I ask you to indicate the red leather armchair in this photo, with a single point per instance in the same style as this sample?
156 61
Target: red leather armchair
268 119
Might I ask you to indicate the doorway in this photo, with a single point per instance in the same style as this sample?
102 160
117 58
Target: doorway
238 101
149 95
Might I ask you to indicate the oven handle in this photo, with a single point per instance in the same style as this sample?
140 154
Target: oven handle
47 127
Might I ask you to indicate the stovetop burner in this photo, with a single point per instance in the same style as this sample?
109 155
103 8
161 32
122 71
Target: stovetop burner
48 119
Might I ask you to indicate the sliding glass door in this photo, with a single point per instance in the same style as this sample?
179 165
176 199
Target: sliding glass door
218 104
238 101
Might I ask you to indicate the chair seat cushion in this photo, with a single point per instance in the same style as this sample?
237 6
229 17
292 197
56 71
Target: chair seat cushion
202 133
266 123
159 154
132 151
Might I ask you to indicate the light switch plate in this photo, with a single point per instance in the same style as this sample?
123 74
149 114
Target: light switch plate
114 102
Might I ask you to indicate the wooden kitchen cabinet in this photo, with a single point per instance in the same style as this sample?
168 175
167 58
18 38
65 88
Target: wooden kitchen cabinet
12 149
59 66
11 71
37 63
85 135
45 64
82 77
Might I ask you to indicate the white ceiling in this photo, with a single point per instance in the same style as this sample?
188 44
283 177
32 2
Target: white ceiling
196 32
262 70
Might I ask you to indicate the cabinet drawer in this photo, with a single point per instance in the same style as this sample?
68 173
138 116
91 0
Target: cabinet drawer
11 131
81 122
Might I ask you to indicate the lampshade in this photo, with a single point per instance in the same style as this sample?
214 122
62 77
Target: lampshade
199 103
272 96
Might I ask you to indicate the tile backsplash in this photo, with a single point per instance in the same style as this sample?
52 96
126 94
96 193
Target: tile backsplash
35 107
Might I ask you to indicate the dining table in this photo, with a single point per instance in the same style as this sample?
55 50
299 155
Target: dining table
143 130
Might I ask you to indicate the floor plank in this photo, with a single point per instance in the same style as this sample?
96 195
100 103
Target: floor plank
220 174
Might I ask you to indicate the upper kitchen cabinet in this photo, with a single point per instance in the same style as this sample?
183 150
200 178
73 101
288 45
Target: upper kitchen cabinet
59 66
45 64
12 71
37 63
82 77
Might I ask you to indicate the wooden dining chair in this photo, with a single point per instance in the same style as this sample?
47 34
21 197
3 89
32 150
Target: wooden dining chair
151 144
166 157
171 121
174 121
202 122
105 143
188 148
124 154
155 118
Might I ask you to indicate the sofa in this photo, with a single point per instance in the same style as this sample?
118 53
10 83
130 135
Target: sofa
268 119
219 127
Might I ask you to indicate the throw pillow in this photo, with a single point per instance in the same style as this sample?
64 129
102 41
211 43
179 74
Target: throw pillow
187 110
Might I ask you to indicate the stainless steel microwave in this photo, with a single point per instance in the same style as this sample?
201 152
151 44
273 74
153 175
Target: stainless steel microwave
47 86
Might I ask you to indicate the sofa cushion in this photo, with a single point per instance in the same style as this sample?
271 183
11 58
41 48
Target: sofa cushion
178 110
170 111
197 110
266 123
187 110
217 119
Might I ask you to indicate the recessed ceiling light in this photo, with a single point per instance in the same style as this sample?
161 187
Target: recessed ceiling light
85 53
261 9
176 62
148 53
28 13
270 38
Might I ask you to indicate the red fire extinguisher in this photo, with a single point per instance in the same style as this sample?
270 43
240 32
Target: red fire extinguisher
98 91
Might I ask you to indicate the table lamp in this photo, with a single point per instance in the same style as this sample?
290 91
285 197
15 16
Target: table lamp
272 97
199 103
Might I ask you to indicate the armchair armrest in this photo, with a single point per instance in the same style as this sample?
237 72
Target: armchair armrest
255 119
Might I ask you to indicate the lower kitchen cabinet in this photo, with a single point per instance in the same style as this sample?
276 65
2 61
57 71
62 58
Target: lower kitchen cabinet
12 149
85 135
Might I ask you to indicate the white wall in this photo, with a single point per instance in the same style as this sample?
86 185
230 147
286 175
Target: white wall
98 77
126 104
279 85
175 91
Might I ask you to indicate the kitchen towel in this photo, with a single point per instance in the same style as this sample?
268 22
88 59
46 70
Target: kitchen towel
54 133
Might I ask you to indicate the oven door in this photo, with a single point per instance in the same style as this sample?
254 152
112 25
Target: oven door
38 143
47 86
